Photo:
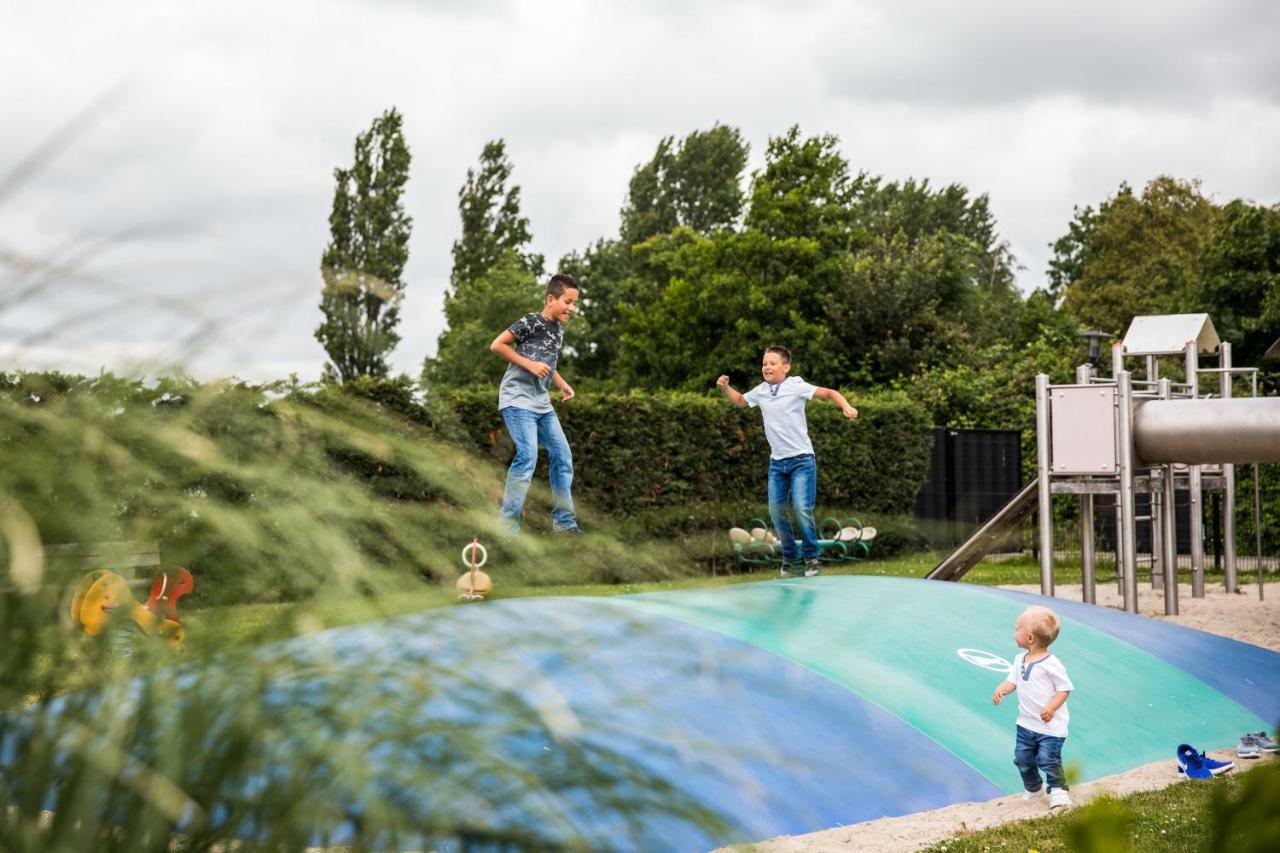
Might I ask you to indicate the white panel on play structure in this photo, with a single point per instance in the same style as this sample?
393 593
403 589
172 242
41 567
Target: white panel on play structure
1168 334
1083 429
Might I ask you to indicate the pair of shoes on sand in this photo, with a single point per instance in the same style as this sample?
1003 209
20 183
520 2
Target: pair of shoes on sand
1059 798
1253 744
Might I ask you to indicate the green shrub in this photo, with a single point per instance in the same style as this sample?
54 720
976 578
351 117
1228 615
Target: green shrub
637 452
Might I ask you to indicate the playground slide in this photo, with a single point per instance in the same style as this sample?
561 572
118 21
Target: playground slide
991 533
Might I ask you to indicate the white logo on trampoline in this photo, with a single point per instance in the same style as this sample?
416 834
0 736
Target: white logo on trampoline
986 660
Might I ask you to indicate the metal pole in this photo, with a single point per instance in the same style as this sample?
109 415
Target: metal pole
1257 526
1216 514
1257 507
1128 557
1088 591
1194 488
1046 496
1087 559
1117 365
1228 484
1169 544
1157 535
1157 504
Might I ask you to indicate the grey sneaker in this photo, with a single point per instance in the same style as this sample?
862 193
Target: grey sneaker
785 571
812 567
1248 747
1264 741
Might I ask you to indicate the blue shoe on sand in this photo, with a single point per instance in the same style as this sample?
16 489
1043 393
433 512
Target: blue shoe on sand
1197 765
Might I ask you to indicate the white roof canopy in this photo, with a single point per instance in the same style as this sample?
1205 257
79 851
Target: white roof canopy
1169 334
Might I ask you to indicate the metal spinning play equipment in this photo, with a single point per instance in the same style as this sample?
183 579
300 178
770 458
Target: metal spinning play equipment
1122 436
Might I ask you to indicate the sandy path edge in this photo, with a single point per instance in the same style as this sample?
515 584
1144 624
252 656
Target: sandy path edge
911 832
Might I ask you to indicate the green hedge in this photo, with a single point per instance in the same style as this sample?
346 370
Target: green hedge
639 452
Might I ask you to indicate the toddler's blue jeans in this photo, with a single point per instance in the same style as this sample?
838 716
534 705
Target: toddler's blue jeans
1035 753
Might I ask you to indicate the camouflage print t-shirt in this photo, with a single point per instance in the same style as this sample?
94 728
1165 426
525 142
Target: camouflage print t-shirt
539 339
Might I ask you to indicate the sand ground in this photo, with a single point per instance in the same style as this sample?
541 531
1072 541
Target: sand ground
1240 616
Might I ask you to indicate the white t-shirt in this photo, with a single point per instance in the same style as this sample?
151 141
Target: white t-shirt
782 406
1044 679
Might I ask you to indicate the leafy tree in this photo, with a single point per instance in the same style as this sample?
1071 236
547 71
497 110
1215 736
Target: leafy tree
804 190
475 314
492 225
1134 255
1240 278
696 184
366 255
869 280
611 281
727 296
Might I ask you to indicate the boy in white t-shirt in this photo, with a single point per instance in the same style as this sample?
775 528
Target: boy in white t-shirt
1043 687
793 470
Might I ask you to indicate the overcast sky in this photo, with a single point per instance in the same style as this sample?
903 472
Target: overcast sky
166 169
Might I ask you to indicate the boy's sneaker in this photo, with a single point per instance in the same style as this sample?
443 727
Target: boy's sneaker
785 571
1248 747
1192 763
812 567
1028 796
1187 753
1059 798
1263 741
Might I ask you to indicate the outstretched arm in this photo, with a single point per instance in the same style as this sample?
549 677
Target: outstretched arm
734 397
836 397
505 346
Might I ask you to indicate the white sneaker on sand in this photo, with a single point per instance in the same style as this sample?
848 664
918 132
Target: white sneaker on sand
1028 796
1059 798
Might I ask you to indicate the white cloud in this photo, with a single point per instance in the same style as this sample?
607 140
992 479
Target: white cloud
204 189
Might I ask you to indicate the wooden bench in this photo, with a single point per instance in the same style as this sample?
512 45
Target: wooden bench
65 564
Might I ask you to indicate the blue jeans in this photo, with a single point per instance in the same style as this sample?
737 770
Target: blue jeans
793 483
1035 752
529 430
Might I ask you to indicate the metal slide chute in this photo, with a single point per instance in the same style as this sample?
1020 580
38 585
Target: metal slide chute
994 531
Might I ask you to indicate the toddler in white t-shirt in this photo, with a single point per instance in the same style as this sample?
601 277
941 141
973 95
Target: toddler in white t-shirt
1043 687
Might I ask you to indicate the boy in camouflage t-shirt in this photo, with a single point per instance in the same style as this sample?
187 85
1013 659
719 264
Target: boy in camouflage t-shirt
532 346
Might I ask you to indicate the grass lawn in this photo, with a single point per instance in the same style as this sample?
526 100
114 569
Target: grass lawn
1238 811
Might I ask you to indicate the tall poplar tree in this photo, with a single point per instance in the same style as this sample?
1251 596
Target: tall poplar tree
491 222
366 255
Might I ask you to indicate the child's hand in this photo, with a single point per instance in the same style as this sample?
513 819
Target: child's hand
850 412
538 369
566 393
1046 714
722 381
997 697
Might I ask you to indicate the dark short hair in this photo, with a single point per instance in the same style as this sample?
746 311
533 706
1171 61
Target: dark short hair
559 283
782 352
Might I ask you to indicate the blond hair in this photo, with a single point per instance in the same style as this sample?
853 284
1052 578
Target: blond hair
1043 623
